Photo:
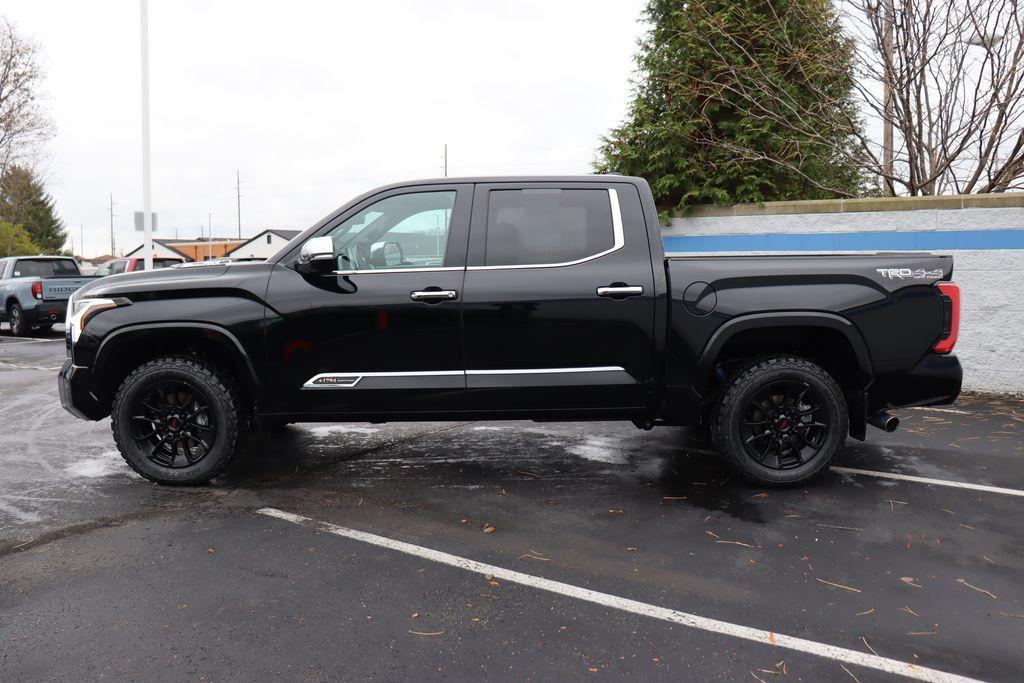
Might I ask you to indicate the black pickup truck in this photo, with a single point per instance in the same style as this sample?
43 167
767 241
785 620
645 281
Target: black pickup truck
538 298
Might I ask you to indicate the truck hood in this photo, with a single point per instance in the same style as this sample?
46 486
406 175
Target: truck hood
173 281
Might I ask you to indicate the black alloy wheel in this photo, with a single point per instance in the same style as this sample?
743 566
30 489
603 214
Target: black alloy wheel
780 420
176 420
173 423
782 424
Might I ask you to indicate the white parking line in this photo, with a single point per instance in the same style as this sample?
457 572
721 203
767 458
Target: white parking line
18 366
756 635
15 340
929 480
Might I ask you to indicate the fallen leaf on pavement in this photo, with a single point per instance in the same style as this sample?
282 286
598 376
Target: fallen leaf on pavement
838 585
980 590
426 633
857 680
909 580
489 528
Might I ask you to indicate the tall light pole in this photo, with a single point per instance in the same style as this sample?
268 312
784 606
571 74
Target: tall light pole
147 198
238 192
112 254
209 232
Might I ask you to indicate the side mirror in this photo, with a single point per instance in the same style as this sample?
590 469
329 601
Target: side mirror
317 256
387 255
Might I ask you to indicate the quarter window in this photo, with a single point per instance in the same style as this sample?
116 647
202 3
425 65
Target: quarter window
547 226
401 231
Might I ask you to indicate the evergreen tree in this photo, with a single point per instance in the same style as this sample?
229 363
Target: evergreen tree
24 201
740 101
14 241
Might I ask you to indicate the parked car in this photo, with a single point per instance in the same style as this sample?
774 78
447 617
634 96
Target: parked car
545 299
35 291
133 264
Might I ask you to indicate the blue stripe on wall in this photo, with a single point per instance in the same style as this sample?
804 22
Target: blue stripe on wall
850 241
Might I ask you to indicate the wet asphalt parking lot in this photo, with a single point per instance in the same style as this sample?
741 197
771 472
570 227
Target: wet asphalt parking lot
506 551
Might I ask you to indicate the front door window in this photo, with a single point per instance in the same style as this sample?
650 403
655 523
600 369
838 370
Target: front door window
401 231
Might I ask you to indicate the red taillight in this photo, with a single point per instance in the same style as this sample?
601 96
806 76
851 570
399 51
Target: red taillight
950 317
37 289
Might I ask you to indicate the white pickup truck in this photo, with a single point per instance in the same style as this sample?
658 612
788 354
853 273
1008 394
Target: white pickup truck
35 290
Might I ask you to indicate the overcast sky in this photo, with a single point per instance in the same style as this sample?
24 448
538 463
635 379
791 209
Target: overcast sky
315 102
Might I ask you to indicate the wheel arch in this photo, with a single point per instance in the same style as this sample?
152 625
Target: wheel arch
755 322
128 347
826 338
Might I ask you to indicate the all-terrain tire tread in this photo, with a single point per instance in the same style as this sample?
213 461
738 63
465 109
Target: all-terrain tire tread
212 374
737 383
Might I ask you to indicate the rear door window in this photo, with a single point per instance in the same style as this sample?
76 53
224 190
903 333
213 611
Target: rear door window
118 267
548 226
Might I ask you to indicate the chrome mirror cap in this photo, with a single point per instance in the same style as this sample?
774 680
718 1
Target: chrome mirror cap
317 249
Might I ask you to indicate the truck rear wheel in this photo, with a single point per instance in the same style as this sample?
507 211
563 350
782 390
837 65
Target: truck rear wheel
19 326
780 421
175 420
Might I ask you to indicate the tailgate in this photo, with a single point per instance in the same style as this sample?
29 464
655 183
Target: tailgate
61 288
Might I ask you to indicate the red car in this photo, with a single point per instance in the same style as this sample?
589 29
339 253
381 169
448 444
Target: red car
130 265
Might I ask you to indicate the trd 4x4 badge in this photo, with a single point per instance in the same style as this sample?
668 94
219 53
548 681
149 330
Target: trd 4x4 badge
909 274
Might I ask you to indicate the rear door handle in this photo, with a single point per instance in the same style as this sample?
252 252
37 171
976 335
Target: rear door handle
434 295
620 291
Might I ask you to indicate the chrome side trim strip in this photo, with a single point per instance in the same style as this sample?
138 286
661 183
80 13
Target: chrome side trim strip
349 380
619 242
546 371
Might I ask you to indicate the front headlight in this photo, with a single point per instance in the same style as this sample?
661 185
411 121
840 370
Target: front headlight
81 310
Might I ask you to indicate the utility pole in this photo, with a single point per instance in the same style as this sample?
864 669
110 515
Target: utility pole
112 254
445 157
81 241
209 231
887 133
238 192
147 197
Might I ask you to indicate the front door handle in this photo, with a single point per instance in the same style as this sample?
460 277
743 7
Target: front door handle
434 295
619 291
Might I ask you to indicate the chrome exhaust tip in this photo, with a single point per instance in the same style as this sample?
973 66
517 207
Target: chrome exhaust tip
884 421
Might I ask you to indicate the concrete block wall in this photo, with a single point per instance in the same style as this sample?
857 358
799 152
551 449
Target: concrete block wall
986 241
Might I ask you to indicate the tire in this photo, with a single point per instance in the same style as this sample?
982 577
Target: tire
16 319
176 420
780 421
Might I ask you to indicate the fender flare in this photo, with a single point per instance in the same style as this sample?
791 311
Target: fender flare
731 328
223 335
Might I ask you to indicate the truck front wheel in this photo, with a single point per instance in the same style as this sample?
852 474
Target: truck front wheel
175 420
780 421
